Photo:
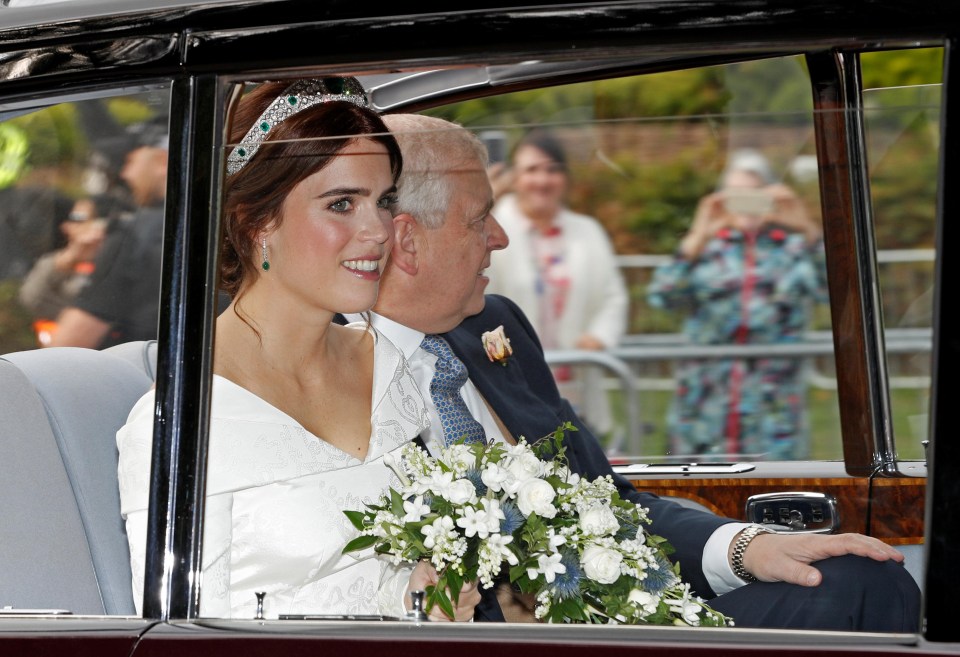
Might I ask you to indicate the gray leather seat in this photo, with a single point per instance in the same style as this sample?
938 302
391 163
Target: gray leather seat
62 540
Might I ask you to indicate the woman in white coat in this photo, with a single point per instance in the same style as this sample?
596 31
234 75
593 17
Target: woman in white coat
560 268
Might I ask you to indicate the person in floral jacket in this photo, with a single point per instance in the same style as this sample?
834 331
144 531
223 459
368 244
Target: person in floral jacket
747 272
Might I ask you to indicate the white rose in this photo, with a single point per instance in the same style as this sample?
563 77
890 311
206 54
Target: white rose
494 477
601 564
524 465
460 492
645 600
497 345
598 520
536 496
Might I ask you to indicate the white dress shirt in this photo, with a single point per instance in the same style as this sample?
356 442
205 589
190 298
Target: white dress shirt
422 365
716 564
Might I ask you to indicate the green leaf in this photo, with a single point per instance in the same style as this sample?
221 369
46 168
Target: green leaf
356 518
454 582
359 543
437 595
517 572
396 503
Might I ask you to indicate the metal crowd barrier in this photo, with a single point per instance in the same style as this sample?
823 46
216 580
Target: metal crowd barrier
638 349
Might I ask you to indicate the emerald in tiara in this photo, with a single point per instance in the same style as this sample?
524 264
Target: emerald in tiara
297 97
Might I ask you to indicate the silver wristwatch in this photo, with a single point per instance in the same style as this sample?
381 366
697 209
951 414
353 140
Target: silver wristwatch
740 547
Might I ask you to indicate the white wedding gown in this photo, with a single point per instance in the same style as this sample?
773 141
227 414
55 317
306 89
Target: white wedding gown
276 494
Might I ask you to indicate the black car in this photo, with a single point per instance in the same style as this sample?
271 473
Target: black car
850 101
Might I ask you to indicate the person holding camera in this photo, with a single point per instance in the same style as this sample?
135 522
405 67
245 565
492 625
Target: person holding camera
748 272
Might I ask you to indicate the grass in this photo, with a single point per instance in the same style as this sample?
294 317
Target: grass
823 415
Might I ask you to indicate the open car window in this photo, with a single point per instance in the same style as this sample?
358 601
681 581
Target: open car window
902 120
81 234
722 353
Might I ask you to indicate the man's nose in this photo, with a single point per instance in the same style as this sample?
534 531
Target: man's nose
496 237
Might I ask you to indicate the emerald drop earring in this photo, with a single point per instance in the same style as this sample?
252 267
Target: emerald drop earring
265 265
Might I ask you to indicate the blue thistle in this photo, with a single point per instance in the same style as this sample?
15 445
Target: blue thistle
512 518
567 585
629 530
473 476
662 578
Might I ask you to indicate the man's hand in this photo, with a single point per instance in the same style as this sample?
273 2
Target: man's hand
786 557
425 575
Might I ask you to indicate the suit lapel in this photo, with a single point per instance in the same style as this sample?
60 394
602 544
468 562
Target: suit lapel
518 393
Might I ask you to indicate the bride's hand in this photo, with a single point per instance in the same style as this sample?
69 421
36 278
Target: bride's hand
425 575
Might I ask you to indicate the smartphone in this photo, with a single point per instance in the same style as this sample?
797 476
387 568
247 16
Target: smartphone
496 143
749 202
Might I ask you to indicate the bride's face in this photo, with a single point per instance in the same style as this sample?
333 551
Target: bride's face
336 232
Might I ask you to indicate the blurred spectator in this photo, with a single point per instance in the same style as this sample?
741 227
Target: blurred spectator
560 268
120 303
59 276
29 220
747 272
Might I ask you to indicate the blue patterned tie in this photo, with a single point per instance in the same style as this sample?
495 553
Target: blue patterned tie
449 377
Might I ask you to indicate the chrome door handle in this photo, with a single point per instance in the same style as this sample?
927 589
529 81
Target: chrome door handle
794 511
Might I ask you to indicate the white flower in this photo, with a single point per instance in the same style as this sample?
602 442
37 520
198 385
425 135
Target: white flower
536 496
479 522
437 482
441 528
688 608
549 566
601 564
391 462
497 345
565 474
459 457
460 492
497 543
414 510
493 477
555 540
597 520
524 465
646 602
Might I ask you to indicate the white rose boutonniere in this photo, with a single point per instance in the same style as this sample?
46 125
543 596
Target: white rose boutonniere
497 345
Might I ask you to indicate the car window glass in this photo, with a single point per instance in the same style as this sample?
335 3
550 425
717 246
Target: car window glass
902 96
75 177
651 365
82 186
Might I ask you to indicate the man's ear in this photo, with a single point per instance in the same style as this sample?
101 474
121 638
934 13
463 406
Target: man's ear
406 244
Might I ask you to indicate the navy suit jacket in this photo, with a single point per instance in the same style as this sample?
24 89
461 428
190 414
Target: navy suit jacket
525 397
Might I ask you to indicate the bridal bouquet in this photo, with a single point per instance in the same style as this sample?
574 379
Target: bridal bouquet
577 546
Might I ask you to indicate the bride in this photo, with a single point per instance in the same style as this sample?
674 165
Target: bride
303 410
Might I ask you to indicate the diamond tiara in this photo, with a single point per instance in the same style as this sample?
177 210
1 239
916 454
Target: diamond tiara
297 97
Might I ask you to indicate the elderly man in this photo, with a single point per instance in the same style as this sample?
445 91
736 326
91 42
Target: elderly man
434 287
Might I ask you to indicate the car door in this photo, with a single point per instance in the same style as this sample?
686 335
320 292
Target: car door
208 50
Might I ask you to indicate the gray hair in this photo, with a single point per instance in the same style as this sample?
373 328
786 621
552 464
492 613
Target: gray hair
432 148
751 161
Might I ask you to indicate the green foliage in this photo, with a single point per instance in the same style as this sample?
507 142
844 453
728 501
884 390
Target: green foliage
16 332
900 68
54 134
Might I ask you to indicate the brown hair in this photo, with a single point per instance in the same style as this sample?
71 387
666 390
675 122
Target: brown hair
296 148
